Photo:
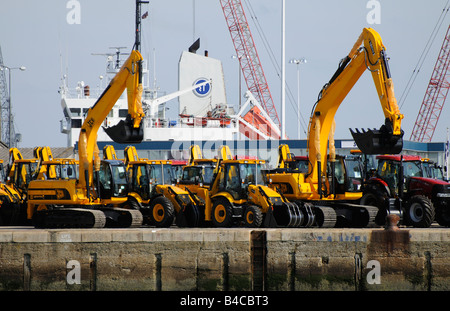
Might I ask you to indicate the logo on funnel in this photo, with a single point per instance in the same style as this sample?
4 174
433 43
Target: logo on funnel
203 90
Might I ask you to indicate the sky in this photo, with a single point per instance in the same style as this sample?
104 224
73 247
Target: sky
44 37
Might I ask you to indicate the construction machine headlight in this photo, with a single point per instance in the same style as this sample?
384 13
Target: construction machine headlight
443 195
184 198
275 200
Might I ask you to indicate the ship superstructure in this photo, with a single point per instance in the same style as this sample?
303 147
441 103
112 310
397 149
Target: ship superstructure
203 111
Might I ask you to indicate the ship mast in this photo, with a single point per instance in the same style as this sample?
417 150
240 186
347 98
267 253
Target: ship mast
137 41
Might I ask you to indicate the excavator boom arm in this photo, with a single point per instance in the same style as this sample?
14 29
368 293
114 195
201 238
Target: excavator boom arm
388 139
128 131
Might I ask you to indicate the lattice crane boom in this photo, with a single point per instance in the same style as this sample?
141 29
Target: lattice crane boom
435 95
250 65
4 105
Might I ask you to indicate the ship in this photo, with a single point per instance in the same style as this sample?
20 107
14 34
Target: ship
203 111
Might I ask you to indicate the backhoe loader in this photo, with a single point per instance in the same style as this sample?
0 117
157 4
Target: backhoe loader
199 171
233 192
19 173
22 171
99 197
10 202
319 187
151 187
239 194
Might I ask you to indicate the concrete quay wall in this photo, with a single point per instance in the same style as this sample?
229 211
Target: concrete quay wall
224 259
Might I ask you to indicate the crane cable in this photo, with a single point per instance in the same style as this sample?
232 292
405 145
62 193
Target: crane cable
274 61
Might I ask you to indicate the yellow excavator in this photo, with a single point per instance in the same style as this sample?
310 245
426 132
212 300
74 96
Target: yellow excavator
317 189
99 196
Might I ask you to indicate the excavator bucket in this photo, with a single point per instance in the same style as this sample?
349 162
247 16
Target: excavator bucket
380 141
124 132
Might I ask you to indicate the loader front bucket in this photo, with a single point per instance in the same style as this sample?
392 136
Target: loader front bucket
381 141
124 132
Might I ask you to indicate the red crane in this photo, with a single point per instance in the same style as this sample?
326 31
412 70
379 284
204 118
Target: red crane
252 70
435 96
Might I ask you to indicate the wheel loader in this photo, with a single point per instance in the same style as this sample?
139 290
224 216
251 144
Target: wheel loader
319 187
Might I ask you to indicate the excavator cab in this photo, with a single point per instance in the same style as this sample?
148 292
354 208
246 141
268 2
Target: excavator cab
112 179
348 174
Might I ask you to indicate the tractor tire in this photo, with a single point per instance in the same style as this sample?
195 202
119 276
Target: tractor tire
162 212
253 217
222 213
419 212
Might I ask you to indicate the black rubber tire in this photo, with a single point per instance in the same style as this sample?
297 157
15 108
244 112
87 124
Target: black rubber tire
222 213
162 212
419 212
253 217
376 199
443 216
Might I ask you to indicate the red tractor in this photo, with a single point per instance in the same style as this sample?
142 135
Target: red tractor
400 185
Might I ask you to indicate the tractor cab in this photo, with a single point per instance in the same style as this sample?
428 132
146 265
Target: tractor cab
389 167
431 169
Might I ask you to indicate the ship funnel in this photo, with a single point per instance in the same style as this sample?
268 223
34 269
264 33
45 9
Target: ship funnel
125 133
381 141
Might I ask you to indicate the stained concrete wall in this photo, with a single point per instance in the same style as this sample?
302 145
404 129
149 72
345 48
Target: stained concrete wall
231 259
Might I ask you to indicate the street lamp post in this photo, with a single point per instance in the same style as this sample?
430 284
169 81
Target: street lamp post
22 68
298 62
239 75
240 83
